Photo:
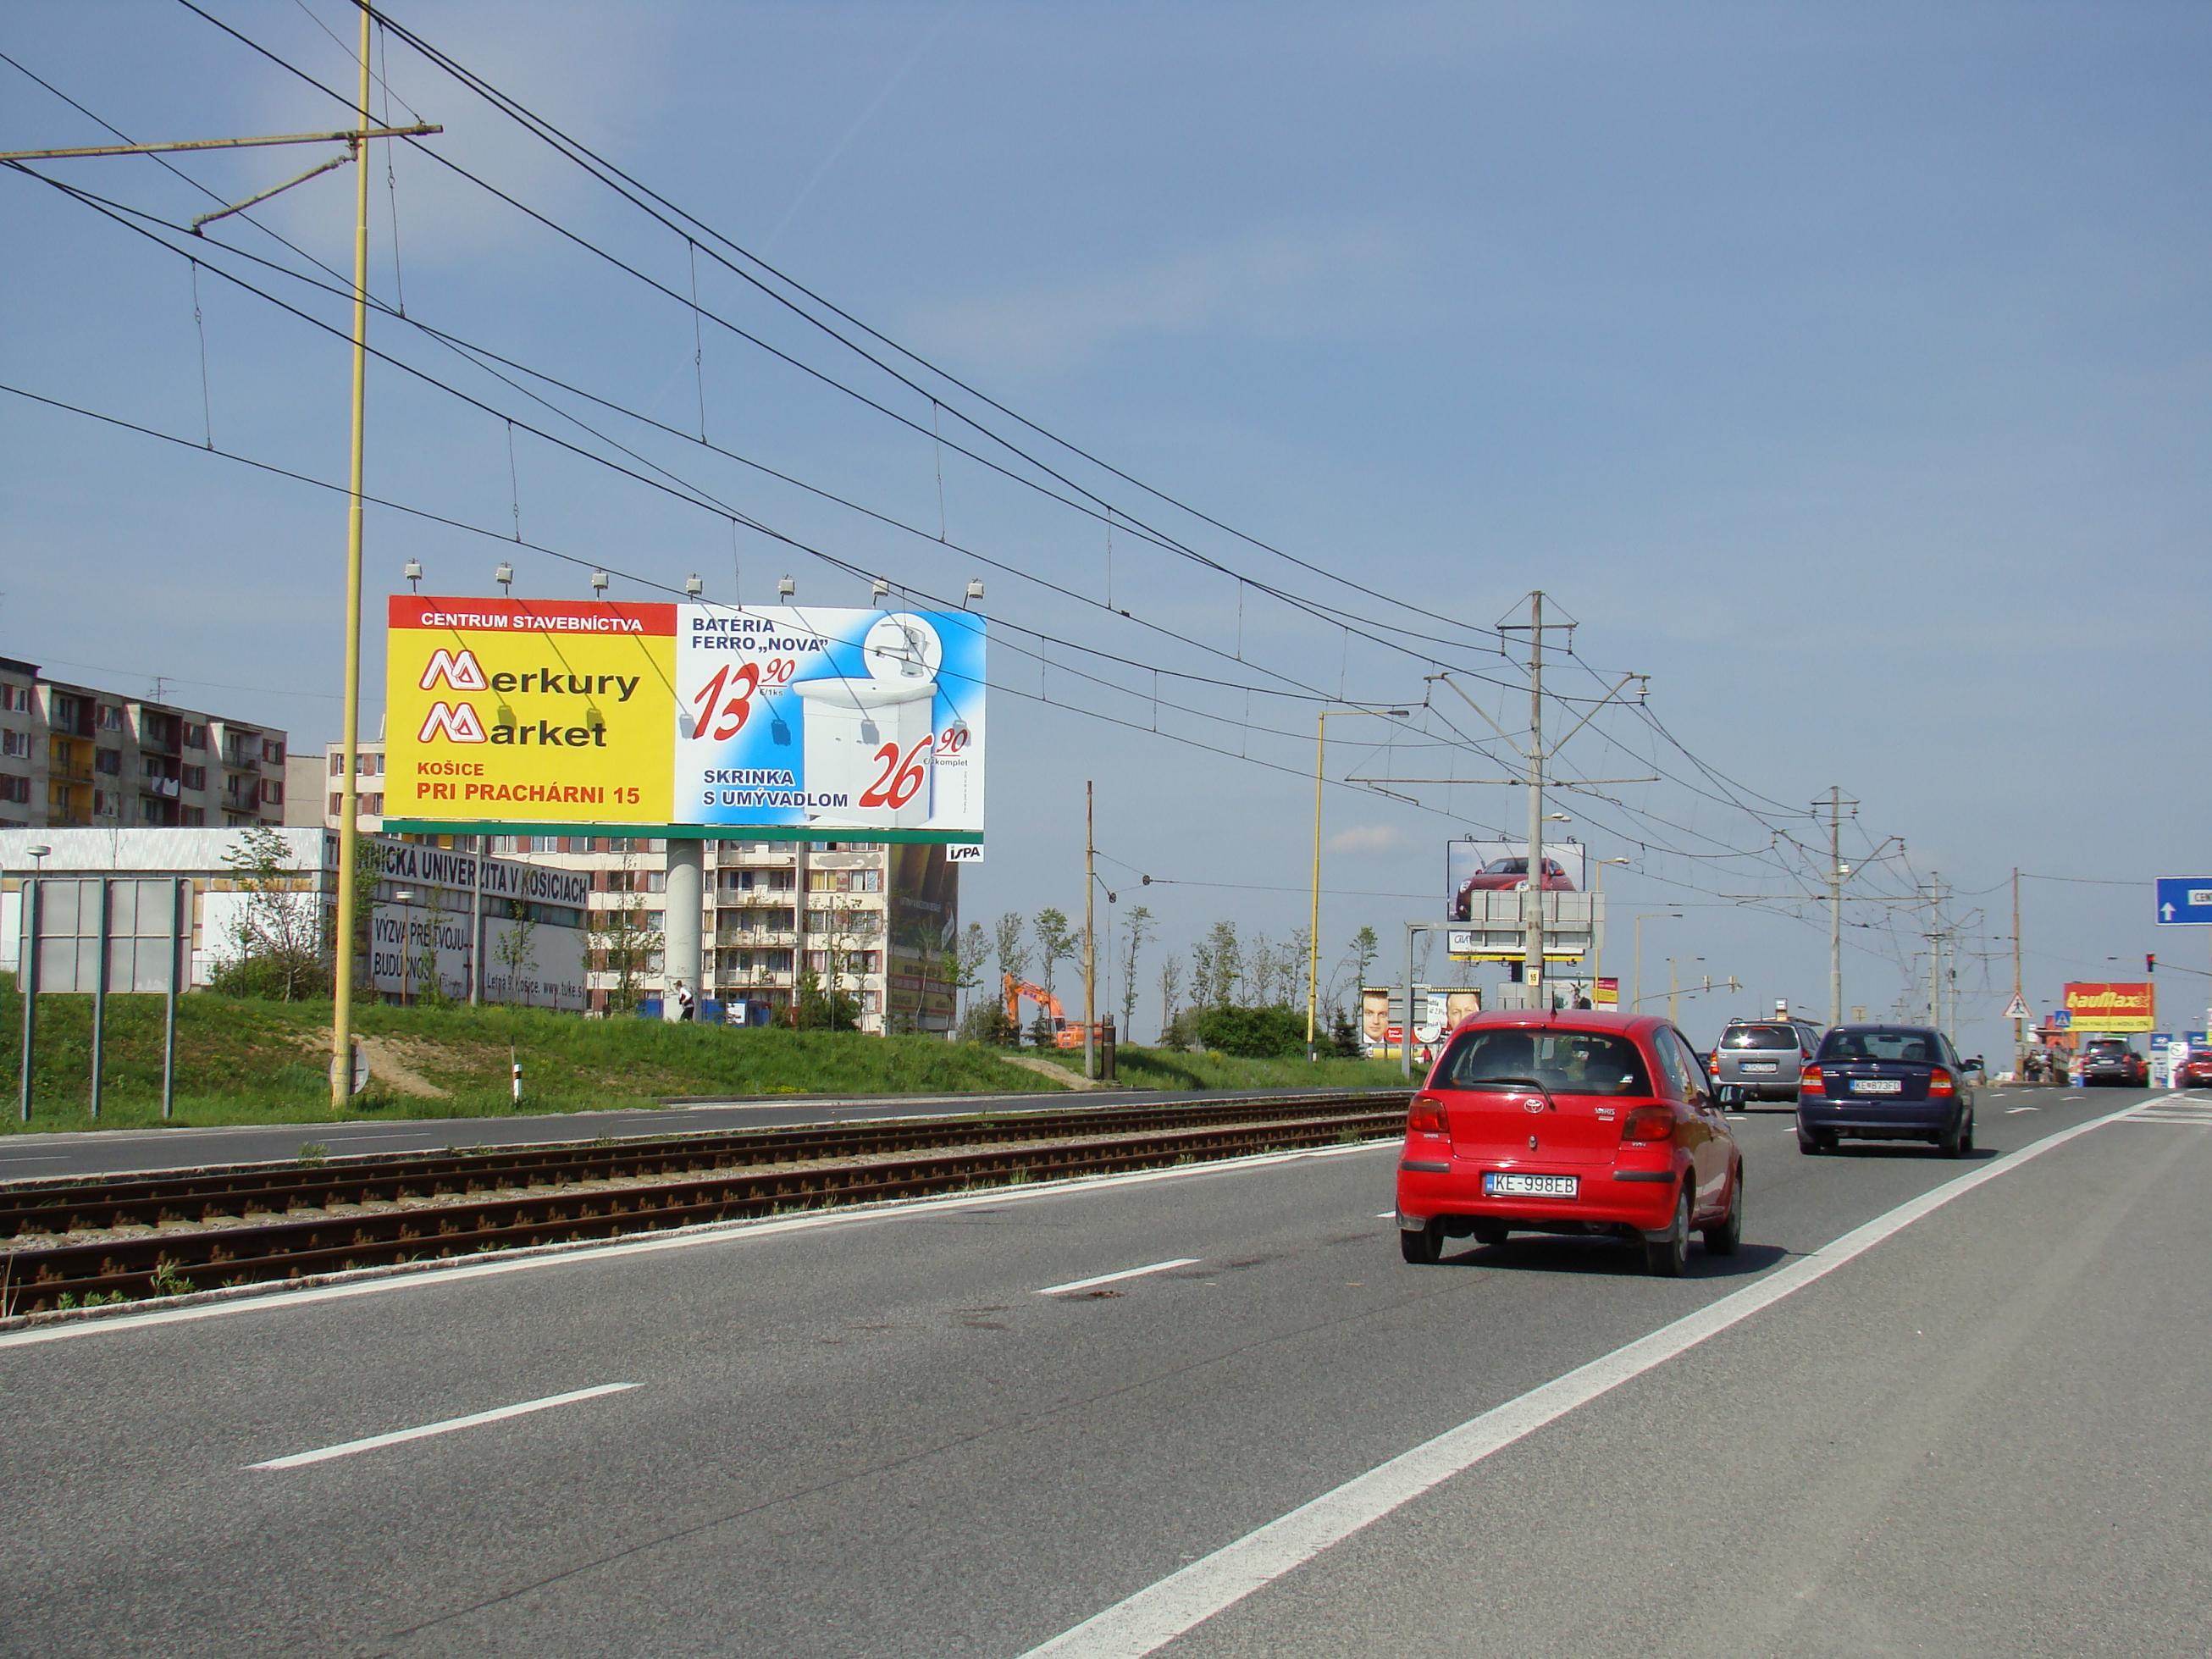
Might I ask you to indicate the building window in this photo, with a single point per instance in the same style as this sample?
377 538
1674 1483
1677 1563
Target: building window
374 804
15 745
109 761
63 710
194 735
272 792
16 789
272 752
15 699
338 804
110 717
193 816
337 764
196 777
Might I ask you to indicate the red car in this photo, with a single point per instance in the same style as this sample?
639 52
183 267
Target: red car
1569 1122
2196 1072
1510 876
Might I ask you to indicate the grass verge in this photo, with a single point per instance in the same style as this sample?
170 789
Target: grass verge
248 1061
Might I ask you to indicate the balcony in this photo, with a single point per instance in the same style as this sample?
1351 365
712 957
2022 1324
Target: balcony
160 788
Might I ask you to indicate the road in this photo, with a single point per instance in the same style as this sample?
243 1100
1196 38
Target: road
119 1152
1935 1407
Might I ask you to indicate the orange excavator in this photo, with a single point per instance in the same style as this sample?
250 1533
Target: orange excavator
1066 1033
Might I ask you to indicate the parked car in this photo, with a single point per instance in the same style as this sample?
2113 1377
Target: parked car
1761 1058
1509 876
2196 1072
2111 1060
1573 1121
1887 1082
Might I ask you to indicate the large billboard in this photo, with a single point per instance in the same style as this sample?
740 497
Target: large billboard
1502 867
863 725
2113 1008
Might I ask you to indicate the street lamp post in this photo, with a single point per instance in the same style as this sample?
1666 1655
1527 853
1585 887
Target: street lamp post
1673 985
1597 927
1636 985
1313 922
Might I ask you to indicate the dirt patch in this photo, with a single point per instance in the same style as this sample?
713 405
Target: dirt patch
1058 1074
392 1062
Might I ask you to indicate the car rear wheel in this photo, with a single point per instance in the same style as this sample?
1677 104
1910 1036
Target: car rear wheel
1425 1246
1668 1256
1810 1141
1957 1143
1725 1239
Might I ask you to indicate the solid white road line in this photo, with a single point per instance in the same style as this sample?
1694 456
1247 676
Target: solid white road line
301 1459
1126 1272
1157 1615
2009 1110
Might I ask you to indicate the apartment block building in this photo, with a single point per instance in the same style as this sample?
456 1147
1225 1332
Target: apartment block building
875 920
77 756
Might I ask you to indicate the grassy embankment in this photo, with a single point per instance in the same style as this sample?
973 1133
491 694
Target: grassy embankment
1169 1068
247 1061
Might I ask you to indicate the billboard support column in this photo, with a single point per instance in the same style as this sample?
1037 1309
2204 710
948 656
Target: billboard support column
681 955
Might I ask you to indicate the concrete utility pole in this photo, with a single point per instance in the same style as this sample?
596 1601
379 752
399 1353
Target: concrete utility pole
1934 951
1533 910
1836 872
1089 936
2019 1021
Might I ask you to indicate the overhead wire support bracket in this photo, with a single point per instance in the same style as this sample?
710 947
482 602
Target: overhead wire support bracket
346 136
259 197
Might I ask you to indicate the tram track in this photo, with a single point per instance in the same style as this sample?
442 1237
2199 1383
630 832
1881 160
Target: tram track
76 1241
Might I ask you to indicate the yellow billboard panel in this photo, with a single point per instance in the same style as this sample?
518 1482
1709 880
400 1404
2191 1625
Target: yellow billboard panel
554 711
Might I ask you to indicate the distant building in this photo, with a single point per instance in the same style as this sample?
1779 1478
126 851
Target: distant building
423 917
878 918
76 755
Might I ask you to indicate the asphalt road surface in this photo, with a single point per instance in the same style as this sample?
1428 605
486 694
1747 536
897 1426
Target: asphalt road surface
118 1152
1935 1407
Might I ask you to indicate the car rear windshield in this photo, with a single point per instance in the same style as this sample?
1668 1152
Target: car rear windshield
2108 1045
1914 1047
1565 1062
1760 1037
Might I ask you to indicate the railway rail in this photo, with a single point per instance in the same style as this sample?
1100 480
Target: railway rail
169 1233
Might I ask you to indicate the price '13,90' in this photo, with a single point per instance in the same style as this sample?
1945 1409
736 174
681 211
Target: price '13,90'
725 703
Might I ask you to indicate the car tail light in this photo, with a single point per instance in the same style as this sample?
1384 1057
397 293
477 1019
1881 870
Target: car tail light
1713 1065
1647 1124
1941 1084
1810 1082
1427 1115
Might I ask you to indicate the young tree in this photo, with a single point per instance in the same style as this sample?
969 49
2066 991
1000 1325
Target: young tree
1296 955
624 941
1057 941
1217 964
1365 947
963 965
1140 930
1170 991
277 938
517 948
1014 949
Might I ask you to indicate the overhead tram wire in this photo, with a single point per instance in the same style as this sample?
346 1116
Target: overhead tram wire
505 540
630 188
695 496
474 352
1101 511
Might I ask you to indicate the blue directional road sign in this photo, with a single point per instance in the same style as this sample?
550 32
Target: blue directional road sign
2184 898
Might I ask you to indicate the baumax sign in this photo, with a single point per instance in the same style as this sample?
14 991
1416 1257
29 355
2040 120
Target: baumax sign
2113 1007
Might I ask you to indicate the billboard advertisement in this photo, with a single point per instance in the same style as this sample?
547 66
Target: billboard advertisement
2117 1008
853 724
1502 867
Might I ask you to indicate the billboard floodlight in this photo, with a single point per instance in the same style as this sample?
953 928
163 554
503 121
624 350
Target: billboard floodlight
693 587
784 588
503 574
598 581
413 571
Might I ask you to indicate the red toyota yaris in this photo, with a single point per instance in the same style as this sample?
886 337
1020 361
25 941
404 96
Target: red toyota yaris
1569 1122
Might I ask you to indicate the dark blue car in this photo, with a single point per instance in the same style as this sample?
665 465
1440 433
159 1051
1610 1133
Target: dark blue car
1887 1082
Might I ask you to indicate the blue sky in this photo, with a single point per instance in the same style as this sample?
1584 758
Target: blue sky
1843 369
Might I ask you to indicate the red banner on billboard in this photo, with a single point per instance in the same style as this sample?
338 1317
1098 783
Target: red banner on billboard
2104 1006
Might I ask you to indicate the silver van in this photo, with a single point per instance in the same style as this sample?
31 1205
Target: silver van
1760 1060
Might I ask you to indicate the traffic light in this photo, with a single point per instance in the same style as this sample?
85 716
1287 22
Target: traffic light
2150 962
